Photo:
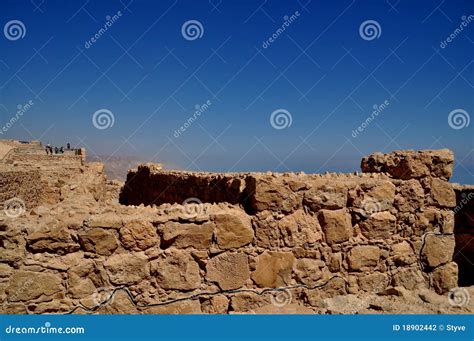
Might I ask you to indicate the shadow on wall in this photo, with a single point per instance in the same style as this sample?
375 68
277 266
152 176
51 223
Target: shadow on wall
464 232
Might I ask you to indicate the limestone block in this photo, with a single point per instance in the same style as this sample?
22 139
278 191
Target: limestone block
100 241
126 268
233 229
363 257
438 250
228 270
176 271
183 235
273 269
139 235
336 225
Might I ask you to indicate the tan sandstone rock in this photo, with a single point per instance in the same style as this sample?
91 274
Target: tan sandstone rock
273 269
309 271
336 225
198 236
363 257
299 229
176 270
444 278
228 270
127 268
438 250
403 253
326 195
100 241
379 225
29 285
233 229
138 235
56 240
442 193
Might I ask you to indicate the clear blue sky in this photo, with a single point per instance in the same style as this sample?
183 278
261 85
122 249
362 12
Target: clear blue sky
319 69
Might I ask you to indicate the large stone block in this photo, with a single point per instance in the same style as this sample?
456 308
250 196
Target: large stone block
336 225
438 250
309 271
363 257
442 193
273 269
127 268
228 270
445 278
268 193
299 229
182 235
100 241
139 235
28 285
57 240
379 225
177 270
233 229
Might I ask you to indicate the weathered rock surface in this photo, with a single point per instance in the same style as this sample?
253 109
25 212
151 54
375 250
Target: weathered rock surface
138 235
361 257
177 270
336 225
233 229
100 241
273 269
126 268
228 270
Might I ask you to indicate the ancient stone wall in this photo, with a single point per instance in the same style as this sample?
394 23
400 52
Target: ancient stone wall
235 243
24 184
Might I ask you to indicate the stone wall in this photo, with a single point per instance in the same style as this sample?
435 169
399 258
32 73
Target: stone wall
20 184
234 243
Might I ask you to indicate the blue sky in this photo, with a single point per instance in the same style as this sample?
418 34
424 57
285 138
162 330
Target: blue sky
321 70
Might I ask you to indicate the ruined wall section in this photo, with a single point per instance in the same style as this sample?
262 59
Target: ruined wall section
256 240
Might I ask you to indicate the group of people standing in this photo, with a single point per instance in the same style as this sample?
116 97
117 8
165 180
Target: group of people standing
50 150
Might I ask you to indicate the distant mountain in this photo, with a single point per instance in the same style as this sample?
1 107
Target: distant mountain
116 167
